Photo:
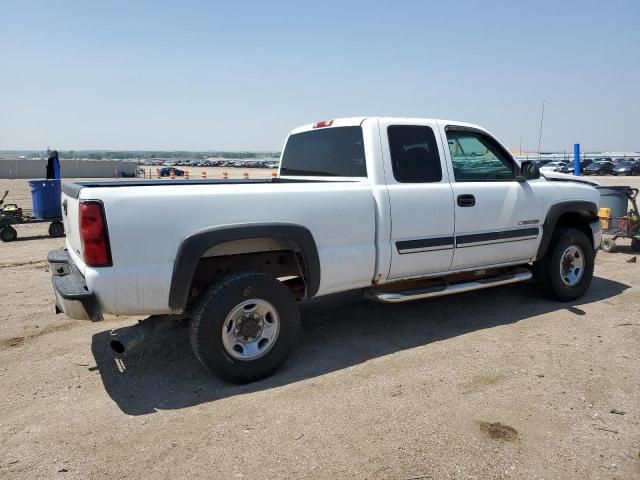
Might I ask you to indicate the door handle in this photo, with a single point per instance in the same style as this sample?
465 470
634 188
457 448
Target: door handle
466 200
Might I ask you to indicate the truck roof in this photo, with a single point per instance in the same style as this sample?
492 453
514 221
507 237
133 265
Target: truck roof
355 121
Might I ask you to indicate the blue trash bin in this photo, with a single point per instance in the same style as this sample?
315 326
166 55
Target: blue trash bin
45 198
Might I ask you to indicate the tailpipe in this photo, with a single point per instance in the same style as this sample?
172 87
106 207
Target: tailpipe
124 339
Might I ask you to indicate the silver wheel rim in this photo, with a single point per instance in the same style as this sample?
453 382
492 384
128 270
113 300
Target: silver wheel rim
572 266
251 329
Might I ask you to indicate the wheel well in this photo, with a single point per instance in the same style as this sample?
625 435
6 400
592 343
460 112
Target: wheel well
279 257
241 248
577 220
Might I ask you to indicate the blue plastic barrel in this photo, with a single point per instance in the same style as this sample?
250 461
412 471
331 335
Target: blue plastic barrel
45 198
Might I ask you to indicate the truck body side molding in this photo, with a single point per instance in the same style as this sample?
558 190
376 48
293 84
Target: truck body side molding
496 237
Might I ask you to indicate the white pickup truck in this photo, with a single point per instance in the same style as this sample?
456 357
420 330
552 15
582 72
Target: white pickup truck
397 208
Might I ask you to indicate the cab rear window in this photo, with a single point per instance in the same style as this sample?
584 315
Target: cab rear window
329 152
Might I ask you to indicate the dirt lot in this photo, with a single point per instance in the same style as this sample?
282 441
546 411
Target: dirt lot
493 384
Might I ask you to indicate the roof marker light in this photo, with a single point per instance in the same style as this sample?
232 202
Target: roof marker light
325 123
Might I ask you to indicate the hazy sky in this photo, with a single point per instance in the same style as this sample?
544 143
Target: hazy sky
239 75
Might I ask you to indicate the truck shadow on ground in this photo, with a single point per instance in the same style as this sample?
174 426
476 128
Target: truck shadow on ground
30 238
337 333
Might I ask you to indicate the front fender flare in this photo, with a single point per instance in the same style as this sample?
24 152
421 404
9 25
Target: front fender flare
588 210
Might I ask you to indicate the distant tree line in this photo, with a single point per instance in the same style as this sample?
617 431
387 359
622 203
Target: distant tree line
143 155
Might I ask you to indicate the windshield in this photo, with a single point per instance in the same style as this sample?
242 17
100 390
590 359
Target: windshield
330 152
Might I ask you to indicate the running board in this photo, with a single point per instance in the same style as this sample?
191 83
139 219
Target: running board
520 275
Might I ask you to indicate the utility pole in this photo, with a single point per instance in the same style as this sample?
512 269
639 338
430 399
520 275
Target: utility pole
540 132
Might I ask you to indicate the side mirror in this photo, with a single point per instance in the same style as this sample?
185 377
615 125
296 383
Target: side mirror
529 171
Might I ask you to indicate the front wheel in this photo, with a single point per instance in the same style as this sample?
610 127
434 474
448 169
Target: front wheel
244 326
566 270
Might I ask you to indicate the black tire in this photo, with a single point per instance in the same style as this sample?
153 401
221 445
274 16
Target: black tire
8 233
210 317
548 271
635 244
56 229
608 245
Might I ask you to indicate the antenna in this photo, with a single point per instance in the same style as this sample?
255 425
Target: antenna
540 132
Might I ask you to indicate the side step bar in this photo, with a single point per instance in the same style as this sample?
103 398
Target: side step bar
519 275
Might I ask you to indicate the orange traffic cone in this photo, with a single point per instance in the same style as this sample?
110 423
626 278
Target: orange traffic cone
172 174
245 175
186 174
225 175
203 175
274 174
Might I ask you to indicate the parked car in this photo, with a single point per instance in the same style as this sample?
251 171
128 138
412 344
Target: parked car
166 172
585 163
626 168
542 163
599 168
617 161
238 257
569 166
554 167
566 167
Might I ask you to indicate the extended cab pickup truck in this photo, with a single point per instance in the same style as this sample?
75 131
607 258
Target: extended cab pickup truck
397 208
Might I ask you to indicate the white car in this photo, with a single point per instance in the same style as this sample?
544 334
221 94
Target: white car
554 167
396 208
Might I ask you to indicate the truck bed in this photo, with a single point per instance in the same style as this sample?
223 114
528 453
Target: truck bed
149 219
72 189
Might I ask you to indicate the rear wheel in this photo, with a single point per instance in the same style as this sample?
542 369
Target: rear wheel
244 326
566 270
56 229
635 244
8 233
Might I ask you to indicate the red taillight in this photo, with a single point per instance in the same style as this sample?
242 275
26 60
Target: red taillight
326 123
93 233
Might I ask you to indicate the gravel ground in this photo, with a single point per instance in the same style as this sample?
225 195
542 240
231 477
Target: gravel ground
492 384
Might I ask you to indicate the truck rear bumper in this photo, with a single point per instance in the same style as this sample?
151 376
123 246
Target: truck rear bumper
73 298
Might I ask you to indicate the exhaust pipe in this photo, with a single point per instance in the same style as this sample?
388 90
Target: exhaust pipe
126 338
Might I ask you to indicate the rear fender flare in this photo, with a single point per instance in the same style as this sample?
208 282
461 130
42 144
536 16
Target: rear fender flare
195 245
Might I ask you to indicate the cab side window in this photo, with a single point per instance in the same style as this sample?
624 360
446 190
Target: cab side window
414 154
477 157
